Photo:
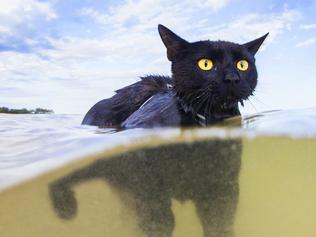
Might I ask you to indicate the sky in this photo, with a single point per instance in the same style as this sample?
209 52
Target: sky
67 55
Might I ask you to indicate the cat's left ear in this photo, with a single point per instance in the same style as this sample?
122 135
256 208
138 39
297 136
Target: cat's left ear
173 43
253 46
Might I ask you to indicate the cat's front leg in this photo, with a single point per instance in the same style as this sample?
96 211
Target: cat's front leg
61 190
216 210
155 215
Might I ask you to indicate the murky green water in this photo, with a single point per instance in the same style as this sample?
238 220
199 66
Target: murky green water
254 180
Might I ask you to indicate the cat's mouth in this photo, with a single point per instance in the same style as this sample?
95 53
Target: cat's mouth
230 102
227 105
231 96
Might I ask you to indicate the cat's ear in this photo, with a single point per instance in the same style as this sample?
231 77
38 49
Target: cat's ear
173 43
253 46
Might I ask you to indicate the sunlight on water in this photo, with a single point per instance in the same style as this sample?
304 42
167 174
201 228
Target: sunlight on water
262 177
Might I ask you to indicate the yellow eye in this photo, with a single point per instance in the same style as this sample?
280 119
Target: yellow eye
242 65
205 64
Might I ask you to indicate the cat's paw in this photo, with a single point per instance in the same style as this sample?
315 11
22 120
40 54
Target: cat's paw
63 200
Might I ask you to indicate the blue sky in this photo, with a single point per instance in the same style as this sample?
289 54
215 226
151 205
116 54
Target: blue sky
67 55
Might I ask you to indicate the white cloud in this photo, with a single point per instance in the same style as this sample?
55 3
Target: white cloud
148 13
250 26
308 26
83 71
5 30
216 4
307 42
21 9
15 13
180 17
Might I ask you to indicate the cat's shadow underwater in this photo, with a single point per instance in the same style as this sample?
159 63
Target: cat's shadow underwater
205 172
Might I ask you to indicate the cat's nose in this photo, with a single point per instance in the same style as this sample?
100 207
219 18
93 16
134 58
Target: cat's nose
231 78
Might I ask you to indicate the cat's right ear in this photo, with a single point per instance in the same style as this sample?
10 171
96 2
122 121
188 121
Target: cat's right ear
173 43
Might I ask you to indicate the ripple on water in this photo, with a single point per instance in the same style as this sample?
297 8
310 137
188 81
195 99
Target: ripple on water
31 144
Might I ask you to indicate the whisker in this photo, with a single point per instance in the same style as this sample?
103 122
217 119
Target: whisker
252 105
267 106
202 102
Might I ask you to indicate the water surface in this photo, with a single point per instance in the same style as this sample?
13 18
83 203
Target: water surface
264 171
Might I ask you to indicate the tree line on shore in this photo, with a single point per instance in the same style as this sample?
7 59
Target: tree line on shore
25 111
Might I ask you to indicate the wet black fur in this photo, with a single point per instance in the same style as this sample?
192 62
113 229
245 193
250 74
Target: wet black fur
113 111
190 92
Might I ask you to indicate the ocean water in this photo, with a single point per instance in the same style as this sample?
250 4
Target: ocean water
271 157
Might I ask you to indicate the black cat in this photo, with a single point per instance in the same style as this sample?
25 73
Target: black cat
208 80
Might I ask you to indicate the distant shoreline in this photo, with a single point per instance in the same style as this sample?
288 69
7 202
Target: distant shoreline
5 110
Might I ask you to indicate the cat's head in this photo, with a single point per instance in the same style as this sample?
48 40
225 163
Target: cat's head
211 75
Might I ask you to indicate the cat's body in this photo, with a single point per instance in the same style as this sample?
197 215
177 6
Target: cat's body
114 111
209 79
151 102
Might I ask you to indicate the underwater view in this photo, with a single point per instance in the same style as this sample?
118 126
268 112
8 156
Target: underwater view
157 118
253 179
